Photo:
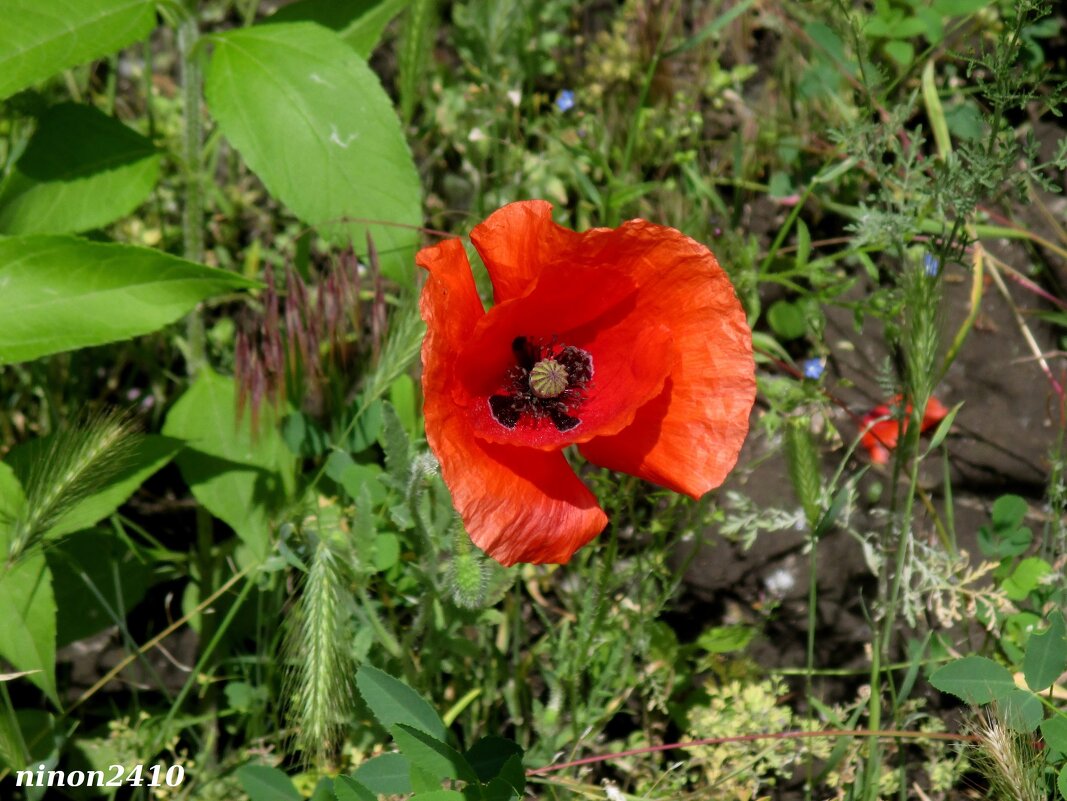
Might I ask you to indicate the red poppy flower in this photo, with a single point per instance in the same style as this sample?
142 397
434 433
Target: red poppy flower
629 343
882 430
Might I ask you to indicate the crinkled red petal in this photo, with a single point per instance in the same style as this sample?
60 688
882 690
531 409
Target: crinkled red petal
594 309
518 504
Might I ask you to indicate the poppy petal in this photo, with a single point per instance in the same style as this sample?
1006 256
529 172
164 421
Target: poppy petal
518 504
594 311
688 438
516 242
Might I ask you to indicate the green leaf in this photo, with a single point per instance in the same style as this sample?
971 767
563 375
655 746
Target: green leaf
42 37
59 293
431 755
385 774
803 245
500 790
107 562
787 320
359 22
1026 577
974 679
1054 730
1008 511
12 499
146 454
725 639
82 169
236 475
1022 710
439 795
28 620
1061 782
345 788
264 783
489 755
313 122
1046 655
393 702
901 52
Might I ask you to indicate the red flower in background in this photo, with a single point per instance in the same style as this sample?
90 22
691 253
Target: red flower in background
629 343
882 430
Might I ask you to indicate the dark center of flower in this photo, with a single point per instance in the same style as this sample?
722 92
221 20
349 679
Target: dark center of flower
548 380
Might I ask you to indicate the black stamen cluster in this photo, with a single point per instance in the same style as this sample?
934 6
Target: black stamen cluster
519 399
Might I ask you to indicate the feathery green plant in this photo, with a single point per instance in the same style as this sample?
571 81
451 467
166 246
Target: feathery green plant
73 465
320 663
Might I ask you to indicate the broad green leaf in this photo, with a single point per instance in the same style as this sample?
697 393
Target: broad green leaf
103 559
974 679
28 620
59 293
1046 655
1022 710
489 755
39 38
359 22
236 475
1054 730
345 788
1061 782
431 755
313 122
1008 511
147 454
439 795
82 169
500 790
393 702
264 783
386 774
12 499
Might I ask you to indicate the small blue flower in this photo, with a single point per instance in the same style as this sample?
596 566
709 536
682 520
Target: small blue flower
931 265
812 368
565 100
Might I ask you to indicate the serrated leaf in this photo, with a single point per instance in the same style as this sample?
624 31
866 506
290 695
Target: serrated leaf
1022 710
59 293
1054 730
393 702
82 169
359 22
431 755
345 788
28 620
974 679
106 561
385 774
236 475
263 783
311 119
40 38
489 755
1046 654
